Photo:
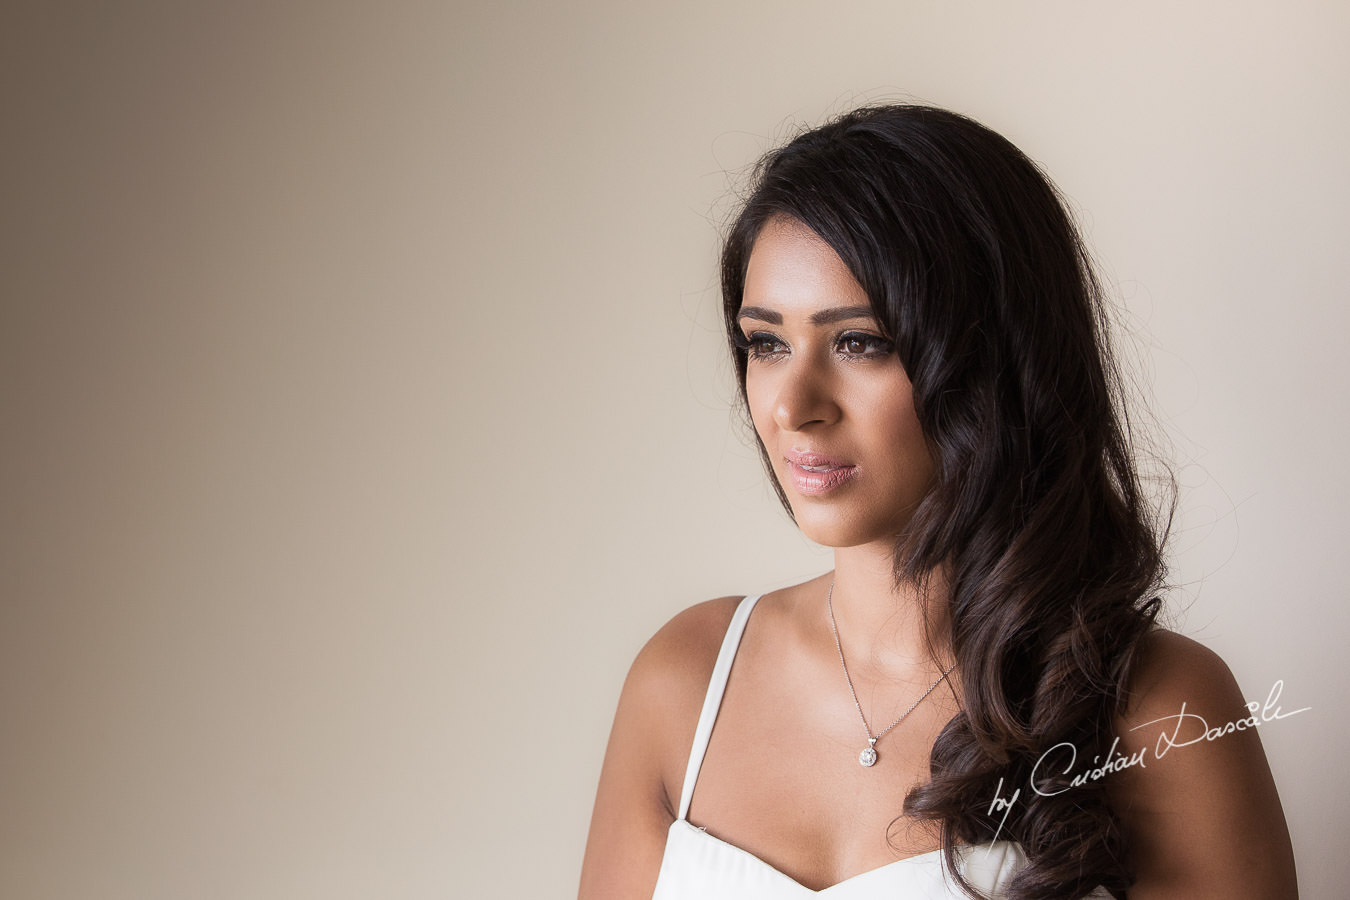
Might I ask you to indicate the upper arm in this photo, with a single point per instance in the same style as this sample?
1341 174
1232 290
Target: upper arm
648 749
1200 811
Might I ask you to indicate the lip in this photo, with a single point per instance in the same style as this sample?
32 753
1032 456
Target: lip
814 474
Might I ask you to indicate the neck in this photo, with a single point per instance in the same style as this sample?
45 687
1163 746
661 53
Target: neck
882 625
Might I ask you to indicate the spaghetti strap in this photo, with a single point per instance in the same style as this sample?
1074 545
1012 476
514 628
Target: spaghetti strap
717 685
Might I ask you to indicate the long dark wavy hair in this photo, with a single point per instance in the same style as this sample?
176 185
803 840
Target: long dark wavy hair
1049 549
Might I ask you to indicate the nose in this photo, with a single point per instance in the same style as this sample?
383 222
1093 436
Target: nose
806 396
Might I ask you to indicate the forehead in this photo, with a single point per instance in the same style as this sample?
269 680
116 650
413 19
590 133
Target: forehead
793 271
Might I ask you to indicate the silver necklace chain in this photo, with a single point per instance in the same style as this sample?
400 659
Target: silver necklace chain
868 756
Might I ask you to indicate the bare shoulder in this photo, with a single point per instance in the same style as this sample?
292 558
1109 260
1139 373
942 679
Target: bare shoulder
648 750
1171 668
669 679
1198 803
664 691
682 653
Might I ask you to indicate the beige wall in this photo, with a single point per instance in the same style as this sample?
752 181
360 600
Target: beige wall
364 409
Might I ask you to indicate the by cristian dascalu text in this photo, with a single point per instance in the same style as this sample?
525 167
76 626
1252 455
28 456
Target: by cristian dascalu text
1062 758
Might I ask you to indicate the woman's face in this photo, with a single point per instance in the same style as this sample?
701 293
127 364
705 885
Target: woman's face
829 397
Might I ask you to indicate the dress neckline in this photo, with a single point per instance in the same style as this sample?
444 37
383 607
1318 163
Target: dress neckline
930 861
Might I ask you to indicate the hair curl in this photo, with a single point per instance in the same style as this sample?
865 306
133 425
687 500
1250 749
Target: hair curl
1036 520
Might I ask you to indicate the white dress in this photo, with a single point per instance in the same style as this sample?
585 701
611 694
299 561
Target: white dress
698 866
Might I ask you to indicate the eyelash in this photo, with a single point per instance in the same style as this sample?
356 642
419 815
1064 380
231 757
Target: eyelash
876 345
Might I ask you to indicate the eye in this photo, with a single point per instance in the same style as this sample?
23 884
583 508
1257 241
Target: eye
760 345
862 344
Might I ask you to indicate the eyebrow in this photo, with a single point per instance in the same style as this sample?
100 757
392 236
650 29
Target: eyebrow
820 317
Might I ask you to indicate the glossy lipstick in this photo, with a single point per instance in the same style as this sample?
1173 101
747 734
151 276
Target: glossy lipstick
813 474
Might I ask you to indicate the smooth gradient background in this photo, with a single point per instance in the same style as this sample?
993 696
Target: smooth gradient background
364 407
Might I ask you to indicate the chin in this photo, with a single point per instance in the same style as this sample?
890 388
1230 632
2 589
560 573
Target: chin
829 531
833 527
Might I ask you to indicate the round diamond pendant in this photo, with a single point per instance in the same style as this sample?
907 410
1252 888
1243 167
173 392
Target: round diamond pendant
868 757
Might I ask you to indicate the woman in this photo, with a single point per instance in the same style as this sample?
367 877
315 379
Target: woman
977 699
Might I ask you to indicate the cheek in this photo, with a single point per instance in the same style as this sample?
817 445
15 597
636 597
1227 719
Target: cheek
757 405
901 431
915 455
